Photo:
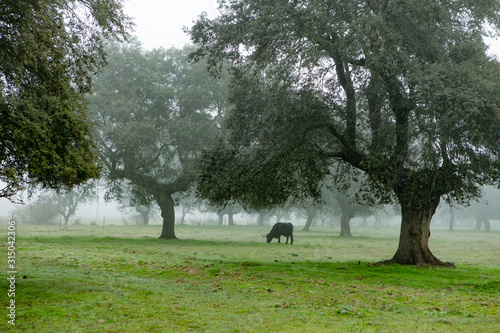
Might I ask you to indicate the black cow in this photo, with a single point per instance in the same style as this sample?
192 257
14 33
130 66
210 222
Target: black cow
281 229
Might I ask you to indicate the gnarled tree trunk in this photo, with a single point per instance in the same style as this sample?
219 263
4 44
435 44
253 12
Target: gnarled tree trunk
166 204
413 246
345 220
311 214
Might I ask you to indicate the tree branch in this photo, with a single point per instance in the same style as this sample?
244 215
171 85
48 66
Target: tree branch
345 81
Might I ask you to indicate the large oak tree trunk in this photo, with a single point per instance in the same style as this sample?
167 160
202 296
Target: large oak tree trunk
345 221
413 246
166 204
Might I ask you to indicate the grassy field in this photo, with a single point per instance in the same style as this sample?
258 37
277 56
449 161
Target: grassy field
227 279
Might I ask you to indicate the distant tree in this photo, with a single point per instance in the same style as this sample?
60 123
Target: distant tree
279 213
312 211
402 91
345 198
185 209
187 202
67 200
483 219
309 209
348 211
144 212
477 214
154 112
451 222
42 210
230 210
487 209
48 52
131 206
141 214
263 217
282 213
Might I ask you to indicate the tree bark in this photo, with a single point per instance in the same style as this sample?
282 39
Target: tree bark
345 219
311 214
345 222
166 204
413 246
230 218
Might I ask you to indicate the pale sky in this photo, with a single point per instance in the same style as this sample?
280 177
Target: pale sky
159 23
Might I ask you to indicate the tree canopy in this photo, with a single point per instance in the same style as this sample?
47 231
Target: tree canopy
400 90
155 113
49 51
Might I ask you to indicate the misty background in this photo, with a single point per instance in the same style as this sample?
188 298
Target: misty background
160 24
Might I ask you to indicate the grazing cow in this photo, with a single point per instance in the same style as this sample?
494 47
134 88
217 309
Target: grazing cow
281 229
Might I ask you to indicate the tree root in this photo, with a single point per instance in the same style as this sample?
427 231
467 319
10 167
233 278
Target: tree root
167 237
435 263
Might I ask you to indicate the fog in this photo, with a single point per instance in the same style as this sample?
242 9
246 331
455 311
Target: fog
160 24
110 213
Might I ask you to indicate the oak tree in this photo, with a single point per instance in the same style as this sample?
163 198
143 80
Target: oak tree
154 111
68 200
402 91
48 52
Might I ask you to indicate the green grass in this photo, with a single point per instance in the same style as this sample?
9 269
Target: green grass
227 279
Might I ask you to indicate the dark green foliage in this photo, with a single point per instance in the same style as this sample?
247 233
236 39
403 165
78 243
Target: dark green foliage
269 127
48 52
400 90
